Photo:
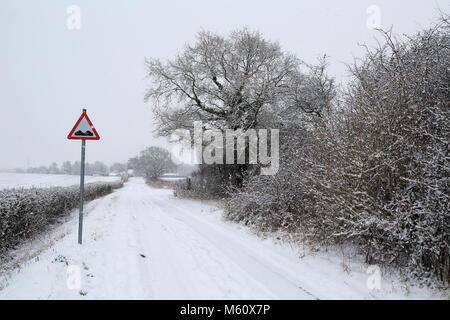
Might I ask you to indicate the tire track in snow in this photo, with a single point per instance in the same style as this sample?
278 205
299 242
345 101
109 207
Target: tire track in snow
208 264
255 259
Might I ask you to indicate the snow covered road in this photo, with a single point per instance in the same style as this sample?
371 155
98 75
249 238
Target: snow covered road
142 243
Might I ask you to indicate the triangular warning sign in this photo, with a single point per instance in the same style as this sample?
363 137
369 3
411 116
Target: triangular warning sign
83 129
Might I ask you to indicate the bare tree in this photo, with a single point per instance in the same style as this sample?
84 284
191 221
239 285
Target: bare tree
118 167
155 161
100 168
235 82
224 82
53 168
66 167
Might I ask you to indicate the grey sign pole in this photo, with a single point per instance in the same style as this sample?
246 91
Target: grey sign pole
80 218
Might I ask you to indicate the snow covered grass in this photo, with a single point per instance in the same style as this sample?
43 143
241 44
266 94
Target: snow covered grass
37 180
143 243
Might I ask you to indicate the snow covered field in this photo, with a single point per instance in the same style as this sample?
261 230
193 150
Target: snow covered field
28 180
142 243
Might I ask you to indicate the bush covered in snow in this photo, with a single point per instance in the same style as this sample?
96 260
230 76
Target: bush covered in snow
25 212
372 171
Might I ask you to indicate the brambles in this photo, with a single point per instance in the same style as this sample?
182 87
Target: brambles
373 171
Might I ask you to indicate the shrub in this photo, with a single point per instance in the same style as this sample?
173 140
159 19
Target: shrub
26 212
374 170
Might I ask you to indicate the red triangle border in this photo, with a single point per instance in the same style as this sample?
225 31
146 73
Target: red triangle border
83 115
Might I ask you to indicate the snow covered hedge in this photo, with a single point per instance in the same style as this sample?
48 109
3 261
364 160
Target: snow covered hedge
374 170
25 212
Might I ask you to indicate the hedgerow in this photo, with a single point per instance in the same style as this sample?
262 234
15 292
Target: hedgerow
26 212
374 170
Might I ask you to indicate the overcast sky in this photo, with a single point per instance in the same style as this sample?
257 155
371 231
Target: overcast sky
48 73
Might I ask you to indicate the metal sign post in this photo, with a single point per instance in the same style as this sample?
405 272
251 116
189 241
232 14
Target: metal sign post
80 217
83 130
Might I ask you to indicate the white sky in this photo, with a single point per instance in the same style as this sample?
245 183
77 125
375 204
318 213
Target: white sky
49 73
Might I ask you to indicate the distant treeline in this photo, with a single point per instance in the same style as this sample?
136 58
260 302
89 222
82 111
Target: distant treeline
96 168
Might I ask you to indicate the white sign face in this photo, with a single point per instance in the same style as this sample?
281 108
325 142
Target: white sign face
84 129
